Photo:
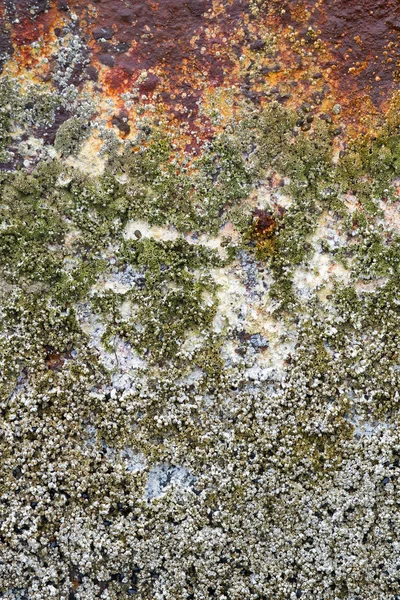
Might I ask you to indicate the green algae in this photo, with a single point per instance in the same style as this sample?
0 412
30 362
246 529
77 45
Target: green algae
170 299
64 234
71 135
7 104
100 208
97 209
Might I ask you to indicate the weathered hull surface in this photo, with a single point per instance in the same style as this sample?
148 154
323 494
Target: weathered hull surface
199 297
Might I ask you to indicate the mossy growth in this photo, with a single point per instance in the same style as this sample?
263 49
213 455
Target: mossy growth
32 234
8 105
305 159
38 108
71 135
190 198
31 110
370 165
317 184
168 298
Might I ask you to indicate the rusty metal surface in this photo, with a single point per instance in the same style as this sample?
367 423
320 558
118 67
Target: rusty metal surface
319 52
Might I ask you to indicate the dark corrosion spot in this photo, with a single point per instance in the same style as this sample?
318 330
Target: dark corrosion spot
122 47
102 32
92 73
257 45
6 48
55 359
149 84
49 133
107 59
125 14
121 121
63 5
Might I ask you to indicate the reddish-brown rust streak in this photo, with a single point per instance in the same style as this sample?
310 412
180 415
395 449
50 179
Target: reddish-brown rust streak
169 40
264 223
363 39
180 45
344 48
30 20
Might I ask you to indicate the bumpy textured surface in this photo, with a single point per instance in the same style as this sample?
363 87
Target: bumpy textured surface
200 299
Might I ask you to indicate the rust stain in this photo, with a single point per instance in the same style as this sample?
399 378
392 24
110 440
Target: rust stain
264 224
352 47
175 55
363 39
168 51
27 21
55 359
263 230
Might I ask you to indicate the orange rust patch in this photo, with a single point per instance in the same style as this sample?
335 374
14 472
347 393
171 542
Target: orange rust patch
179 48
29 21
170 54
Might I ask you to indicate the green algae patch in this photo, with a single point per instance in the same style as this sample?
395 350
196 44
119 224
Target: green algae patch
168 300
71 135
135 436
32 233
6 93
